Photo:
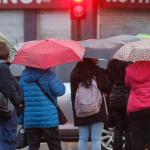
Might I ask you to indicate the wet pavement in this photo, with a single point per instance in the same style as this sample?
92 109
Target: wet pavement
65 146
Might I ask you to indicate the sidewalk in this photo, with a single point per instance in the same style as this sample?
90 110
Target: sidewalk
65 146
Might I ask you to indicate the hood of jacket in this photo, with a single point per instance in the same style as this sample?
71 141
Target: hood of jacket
116 64
4 62
139 71
31 74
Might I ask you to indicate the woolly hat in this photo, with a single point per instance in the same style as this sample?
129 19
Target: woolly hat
4 48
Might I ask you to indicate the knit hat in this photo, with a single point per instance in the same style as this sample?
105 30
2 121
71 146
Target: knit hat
4 48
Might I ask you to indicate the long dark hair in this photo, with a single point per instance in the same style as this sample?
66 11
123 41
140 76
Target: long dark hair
83 73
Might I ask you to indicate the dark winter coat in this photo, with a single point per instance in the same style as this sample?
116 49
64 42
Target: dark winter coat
120 91
10 86
104 86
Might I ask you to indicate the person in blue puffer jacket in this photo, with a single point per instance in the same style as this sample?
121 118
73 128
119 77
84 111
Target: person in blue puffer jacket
40 115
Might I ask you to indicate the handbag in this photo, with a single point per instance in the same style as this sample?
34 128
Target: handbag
21 138
6 107
61 116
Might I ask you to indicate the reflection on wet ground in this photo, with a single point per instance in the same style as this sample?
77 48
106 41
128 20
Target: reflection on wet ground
66 146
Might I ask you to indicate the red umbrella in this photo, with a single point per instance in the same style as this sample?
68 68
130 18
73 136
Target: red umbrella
48 53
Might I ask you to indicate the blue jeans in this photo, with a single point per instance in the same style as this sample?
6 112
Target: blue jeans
8 132
96 132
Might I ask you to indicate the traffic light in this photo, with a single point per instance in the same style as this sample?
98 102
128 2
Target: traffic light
78 9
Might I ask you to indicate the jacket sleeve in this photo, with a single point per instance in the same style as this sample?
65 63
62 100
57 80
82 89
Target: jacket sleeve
127 80
8 86
20 110
56 86
21 119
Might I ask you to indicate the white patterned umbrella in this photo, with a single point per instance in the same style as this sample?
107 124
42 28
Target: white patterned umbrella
135 51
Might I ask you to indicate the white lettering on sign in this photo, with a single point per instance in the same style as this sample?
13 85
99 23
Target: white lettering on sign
26 1
112 0
5 1
14 1
132 1
122 1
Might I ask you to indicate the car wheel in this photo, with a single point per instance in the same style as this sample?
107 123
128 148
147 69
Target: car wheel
107 139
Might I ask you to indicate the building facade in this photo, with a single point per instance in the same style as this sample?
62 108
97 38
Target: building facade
116 17
28 20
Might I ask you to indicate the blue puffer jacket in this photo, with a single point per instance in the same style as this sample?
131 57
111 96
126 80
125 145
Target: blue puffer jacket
40 111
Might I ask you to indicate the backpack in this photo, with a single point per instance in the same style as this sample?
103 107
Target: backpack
88 100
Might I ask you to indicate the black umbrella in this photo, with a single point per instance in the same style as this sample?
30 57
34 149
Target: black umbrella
126 38
101 49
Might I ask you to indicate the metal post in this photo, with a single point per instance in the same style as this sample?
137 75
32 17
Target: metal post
79 30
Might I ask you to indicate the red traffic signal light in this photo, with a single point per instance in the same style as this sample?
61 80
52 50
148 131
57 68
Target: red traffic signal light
78 9
78 0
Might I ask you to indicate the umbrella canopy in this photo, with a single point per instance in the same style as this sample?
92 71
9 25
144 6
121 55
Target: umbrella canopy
2 35
136 51
144 35
12 49
15 69
48 53
126 38
101 49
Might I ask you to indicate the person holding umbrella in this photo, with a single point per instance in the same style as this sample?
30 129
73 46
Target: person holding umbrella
138 79
41 115
118 102
85 75
11 89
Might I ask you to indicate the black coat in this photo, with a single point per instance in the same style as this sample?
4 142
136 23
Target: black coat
104 86
10 87
120 92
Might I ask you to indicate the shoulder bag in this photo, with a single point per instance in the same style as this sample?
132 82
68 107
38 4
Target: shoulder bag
6 107
61 116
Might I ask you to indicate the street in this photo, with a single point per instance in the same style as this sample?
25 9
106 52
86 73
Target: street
65 146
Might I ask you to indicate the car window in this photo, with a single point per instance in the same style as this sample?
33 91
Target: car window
63 71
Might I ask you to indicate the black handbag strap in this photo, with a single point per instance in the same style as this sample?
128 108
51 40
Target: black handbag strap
46 94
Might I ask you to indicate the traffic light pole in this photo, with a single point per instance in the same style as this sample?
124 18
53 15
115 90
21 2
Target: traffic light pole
79 30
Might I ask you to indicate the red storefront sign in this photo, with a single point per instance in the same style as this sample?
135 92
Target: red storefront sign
34 4
139 4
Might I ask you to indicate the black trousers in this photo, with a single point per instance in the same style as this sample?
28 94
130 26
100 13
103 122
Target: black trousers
140 126
122 126
51 135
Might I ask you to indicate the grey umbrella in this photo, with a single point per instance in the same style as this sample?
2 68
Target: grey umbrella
126 38
101 49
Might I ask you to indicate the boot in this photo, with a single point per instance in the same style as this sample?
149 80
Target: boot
128 147
117 146
128 139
